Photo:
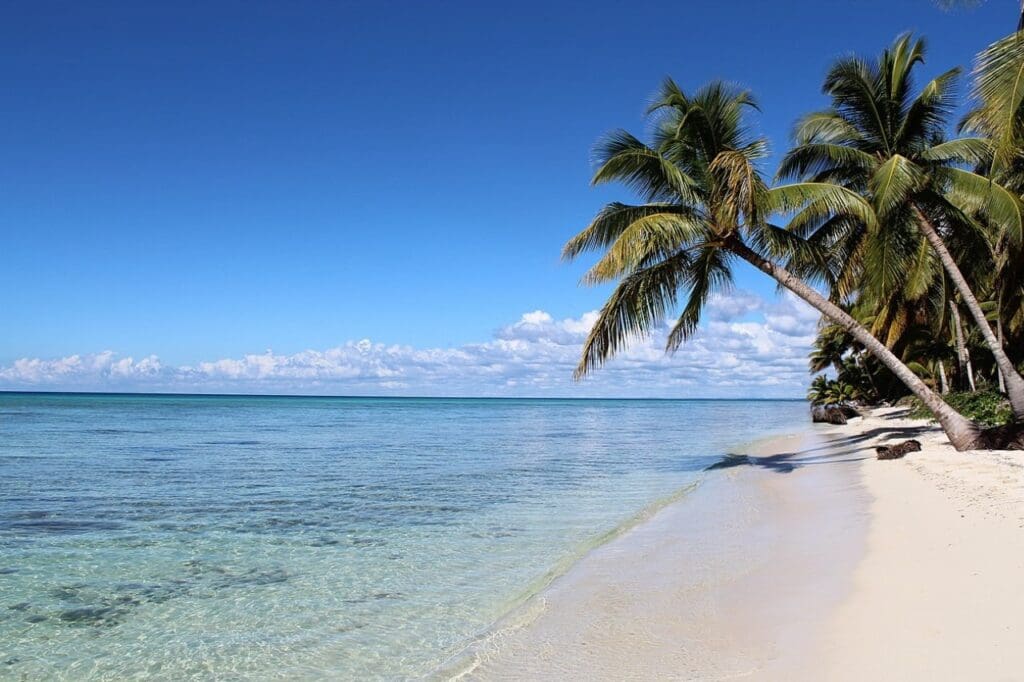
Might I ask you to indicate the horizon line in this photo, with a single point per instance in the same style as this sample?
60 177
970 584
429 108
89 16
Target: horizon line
154 394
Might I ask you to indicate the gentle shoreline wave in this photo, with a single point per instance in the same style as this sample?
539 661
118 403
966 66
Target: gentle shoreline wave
532 603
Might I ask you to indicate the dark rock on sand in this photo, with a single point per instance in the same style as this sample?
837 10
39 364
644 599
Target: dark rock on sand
899 450
833 414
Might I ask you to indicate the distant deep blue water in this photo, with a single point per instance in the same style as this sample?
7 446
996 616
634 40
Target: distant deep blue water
178 537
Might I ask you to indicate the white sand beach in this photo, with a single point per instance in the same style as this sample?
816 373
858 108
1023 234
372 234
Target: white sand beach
937 594
812 561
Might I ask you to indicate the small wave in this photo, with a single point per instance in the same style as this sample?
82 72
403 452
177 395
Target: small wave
531 602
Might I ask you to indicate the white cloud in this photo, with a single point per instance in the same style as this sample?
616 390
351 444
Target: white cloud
748 347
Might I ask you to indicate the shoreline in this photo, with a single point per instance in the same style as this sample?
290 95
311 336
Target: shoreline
786 562
464 663
689 573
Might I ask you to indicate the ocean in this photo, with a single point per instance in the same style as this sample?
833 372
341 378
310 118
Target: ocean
198 537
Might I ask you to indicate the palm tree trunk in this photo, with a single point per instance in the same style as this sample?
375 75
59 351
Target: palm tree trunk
962 433
1013 379
944 385
962 354
958 345
999 335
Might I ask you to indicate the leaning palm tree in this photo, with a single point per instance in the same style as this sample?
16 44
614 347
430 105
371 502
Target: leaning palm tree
707 206
883 140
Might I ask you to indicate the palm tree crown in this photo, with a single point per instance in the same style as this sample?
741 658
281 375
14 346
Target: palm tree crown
886 140
705 197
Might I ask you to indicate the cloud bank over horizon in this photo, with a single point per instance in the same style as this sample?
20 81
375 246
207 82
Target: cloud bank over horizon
746 347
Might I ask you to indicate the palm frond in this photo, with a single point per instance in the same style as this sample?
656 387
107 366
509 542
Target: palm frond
973 193
709 273
623 158
825 127
811 199
809 160
647 240
739 188
999 86
927 114
893 182
637 305
609 223
972 151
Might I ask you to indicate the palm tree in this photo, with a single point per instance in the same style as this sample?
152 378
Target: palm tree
831 344
706 205
999 90
817 394
880 139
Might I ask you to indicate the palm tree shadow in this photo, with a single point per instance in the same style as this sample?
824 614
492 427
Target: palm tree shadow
778 463
788 462
835 450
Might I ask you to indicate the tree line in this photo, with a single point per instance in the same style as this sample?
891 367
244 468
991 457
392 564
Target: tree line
903 227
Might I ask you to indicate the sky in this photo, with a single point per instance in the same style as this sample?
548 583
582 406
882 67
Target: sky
371 197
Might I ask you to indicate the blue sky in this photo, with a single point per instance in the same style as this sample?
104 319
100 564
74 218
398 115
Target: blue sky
201 182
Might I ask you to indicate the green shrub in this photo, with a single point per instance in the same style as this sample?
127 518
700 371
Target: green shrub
985 407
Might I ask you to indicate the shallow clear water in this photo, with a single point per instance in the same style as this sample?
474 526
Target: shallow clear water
182 537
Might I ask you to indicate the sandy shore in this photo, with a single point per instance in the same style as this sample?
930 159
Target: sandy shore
808 560
938 593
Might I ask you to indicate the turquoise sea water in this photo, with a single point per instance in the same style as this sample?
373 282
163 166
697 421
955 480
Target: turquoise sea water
185 537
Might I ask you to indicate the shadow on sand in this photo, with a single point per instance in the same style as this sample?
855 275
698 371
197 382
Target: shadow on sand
836 449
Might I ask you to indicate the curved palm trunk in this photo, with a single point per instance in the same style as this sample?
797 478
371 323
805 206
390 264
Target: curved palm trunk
962 433
1013 379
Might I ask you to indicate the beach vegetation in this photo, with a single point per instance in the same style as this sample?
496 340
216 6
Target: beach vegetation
887 140
825 391
986 407
902 228
705 206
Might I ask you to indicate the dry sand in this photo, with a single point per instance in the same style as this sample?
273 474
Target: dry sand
939 594
812 561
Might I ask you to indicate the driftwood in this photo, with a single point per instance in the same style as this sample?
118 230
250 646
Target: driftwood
833 414
899 450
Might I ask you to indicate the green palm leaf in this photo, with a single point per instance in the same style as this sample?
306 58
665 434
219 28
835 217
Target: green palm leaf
999 85
709 272
810 200
815 158
974 193
893 182
648 239
637 305
625 159
972 151
611 222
